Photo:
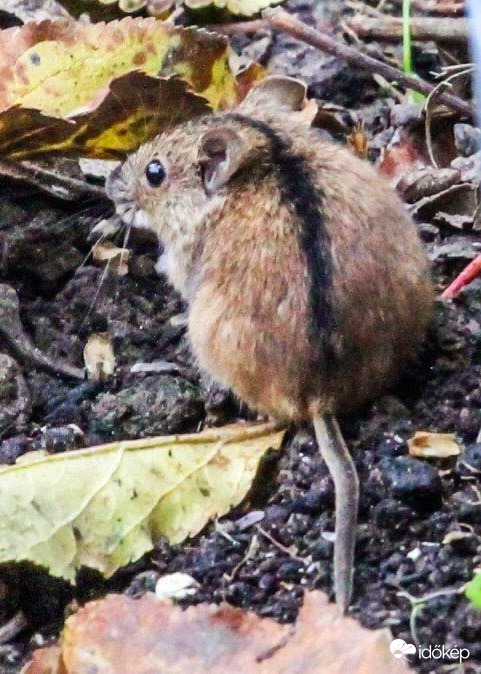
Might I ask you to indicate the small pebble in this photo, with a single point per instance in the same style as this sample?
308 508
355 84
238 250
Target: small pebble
175 586
472 457
412 481
12 448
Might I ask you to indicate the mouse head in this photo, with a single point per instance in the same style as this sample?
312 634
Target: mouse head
172 184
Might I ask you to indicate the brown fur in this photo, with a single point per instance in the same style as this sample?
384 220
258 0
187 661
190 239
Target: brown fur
235 257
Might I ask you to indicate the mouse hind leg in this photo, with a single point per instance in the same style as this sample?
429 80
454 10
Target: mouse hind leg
335 453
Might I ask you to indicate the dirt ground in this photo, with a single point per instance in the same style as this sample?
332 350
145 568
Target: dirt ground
420 525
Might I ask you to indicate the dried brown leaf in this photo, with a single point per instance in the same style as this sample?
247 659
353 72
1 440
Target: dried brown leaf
45 661
99 356
433 445
120 635
117 259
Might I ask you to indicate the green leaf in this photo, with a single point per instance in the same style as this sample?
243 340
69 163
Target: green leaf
473 590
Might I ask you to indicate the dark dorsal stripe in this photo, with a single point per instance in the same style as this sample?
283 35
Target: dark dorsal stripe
299 193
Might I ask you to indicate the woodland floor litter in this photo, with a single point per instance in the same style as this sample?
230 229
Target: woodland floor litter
408 506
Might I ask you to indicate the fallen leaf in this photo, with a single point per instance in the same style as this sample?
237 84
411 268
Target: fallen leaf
399 159
120 123
455 536
358 141
240 7
117 259
105 506
63 67
100 90
33 10
426 182
457 199
45 661
120 635
130 6
162 7
97 168
99 356
461 221
408 149
433 445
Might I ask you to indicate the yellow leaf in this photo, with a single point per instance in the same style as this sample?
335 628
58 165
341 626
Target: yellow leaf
121 122
62 67
105 506
100 90
162 7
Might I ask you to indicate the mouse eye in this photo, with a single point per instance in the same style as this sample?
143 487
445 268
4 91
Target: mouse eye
155 172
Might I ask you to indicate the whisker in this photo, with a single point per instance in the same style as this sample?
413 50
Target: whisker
124 249
94 301
99 241
92 209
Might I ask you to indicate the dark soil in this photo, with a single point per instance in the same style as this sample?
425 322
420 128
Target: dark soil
408 506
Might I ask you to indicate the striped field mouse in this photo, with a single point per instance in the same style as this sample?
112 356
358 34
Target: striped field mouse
307 286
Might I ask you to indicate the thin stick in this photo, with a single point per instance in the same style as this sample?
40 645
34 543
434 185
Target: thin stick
281 20
247 27
469 273
11 329
13 627
422 28
434 7
47 180
447 82
343 472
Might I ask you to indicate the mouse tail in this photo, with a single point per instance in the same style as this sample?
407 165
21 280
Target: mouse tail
335 453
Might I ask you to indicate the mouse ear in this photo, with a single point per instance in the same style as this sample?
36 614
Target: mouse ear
280 92
222 151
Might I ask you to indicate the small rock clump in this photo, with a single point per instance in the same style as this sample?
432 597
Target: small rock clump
157 405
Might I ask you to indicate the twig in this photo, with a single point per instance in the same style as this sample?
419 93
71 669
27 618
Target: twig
418 603
49 181
468 69
361 8
12 331
251 551
246 27
422 28
469 273
435 7
281 20
13 627
279 545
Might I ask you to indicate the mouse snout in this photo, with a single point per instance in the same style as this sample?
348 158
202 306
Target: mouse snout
121 187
